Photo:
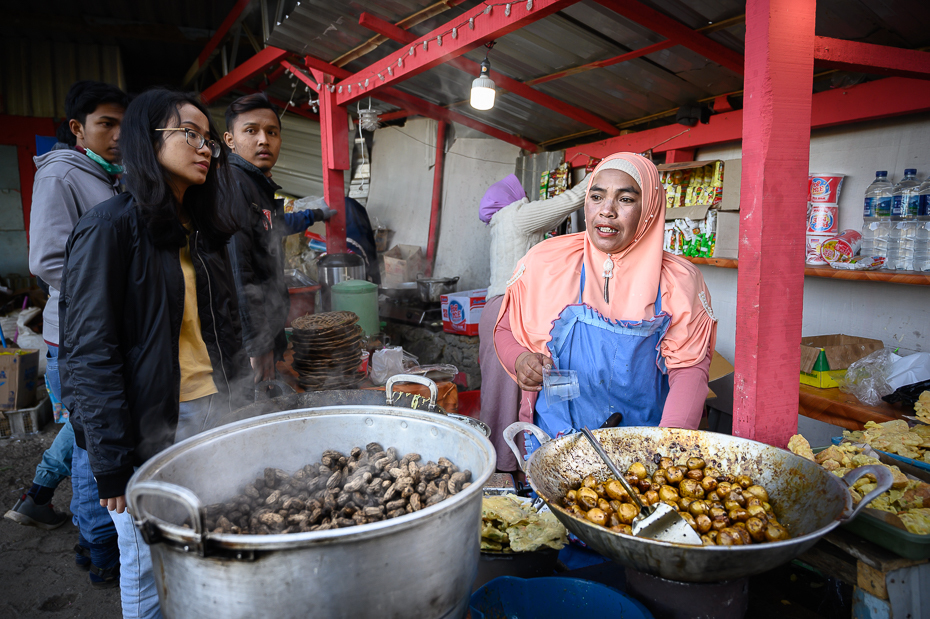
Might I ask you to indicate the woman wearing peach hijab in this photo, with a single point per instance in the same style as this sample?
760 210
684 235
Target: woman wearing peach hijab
634 322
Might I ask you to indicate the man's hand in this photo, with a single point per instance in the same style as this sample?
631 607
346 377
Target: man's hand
263 367
529 369
116 503
322 214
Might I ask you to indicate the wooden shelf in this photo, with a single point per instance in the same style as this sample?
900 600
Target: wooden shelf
913 278
845 410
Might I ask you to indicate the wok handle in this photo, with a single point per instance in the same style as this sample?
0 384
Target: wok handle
173 492
513 429
411 378
883 480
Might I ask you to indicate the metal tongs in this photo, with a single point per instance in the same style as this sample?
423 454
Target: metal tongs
659 521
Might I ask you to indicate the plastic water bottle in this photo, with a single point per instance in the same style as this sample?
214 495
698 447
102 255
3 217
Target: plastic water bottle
903 222
922 233
878 201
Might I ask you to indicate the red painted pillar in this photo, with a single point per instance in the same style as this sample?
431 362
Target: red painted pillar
776 148
436 208
334 138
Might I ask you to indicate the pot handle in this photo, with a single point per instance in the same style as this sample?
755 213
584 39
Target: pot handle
883 480
175 493
513 429
411 378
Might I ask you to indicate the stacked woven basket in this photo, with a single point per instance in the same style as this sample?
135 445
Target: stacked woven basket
327 350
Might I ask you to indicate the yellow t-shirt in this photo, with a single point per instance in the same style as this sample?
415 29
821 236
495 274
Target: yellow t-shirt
196 369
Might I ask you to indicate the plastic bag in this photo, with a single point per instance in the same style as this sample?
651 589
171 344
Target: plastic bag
386 363
27 338
310 202
867 378
909 370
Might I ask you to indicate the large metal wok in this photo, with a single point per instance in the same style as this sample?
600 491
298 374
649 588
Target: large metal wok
417 566
807 499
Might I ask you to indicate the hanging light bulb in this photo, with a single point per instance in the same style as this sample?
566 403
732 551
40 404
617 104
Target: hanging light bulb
482 89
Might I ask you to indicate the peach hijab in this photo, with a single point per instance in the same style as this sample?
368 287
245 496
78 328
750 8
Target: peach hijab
547 279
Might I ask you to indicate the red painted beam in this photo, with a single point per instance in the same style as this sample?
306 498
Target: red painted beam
840 106
490 22
680 155
436 208
282 104
425 108
472 68
677 32
776 158
273 77
243 73
600 64
396 115
231 19
335 146
869 58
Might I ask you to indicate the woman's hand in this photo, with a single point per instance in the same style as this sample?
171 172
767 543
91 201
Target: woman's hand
117 504
529 368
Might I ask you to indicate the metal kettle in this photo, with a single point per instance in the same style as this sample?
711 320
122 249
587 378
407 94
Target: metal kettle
335 268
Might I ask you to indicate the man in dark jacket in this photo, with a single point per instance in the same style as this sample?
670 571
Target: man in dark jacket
253 134
82 171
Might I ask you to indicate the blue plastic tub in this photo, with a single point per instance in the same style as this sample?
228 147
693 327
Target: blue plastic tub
552 598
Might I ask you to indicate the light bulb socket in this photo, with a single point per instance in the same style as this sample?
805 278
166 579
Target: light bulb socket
482 88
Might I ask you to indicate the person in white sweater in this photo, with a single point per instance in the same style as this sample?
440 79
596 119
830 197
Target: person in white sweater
516 225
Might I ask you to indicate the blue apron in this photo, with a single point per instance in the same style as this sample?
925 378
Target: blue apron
620 370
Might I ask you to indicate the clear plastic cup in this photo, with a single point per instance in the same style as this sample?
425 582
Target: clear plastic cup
560 385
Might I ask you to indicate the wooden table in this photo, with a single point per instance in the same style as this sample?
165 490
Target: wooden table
842 409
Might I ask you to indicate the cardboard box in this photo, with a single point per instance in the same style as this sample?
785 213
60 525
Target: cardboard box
19 371
824 358
461 311
720 368
402 263
733 169
727 243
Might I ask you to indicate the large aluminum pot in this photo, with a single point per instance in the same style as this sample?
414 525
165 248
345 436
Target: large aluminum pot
419 565
807 499
335 268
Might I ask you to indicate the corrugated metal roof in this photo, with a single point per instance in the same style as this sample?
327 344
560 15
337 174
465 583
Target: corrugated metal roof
175 31
582 33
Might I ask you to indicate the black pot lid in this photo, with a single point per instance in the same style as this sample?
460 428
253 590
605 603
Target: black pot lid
341 260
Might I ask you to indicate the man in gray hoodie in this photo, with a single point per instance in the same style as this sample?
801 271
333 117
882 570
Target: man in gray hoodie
82 171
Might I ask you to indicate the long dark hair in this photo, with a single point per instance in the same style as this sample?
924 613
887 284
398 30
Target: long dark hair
147 181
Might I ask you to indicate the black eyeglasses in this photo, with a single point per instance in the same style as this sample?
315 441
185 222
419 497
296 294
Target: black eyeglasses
198 140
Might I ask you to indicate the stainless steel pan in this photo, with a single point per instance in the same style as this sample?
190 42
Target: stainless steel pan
807 499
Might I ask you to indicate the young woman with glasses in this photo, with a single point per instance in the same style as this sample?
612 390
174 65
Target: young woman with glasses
151 342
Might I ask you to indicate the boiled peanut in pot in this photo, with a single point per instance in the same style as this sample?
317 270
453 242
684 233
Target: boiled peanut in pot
367 485
726 510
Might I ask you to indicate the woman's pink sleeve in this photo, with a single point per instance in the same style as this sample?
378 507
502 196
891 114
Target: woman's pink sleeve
687 391
508 349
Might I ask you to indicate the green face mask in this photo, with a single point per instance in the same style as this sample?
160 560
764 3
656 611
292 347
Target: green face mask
111 168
